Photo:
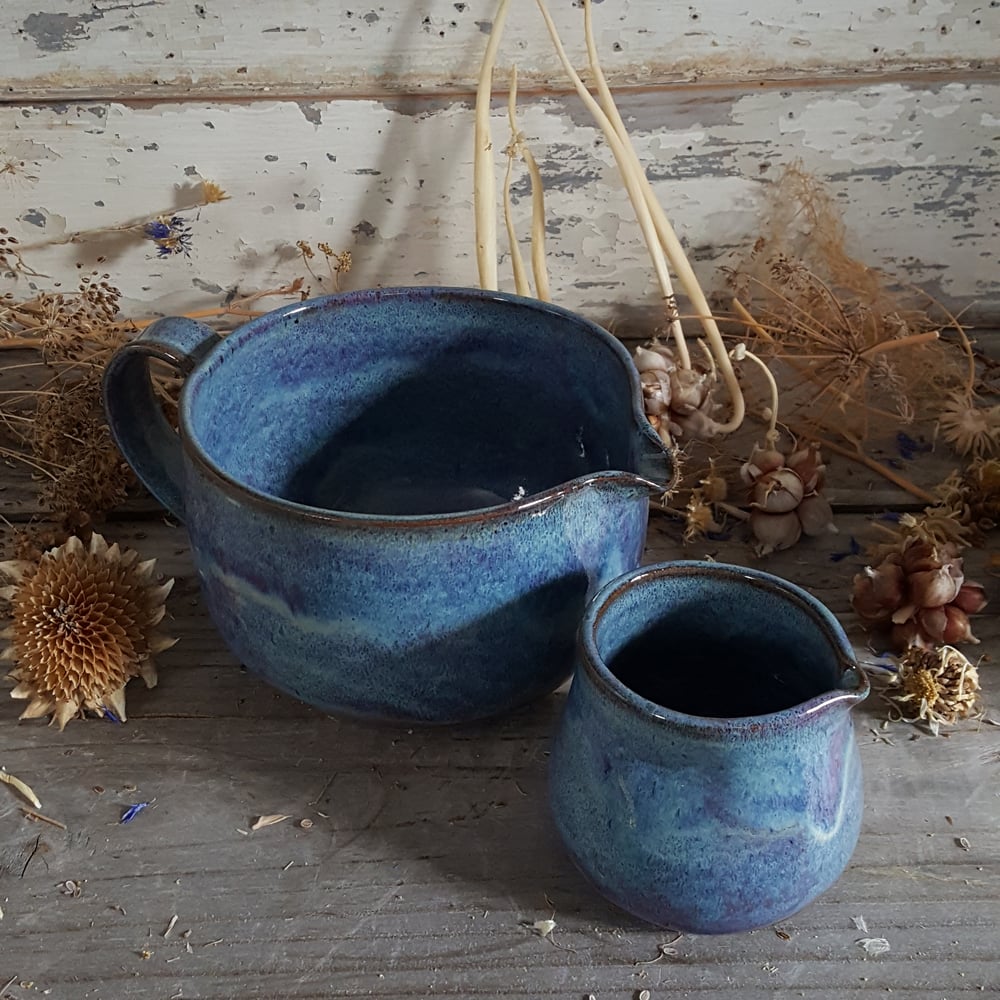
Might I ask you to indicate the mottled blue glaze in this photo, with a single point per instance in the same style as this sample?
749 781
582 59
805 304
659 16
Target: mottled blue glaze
709 825
401 500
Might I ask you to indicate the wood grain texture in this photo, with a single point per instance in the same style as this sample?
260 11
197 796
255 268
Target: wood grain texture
432 849
912 166
168 47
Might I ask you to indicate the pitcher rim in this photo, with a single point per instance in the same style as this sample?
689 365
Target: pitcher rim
608 684
532 503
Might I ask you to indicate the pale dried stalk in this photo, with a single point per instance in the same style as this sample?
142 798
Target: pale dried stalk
485 194
627 171
858 455
516 260
18 785
740 353
538 266
668 240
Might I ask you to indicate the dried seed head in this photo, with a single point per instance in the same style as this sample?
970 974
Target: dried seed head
968 428
83 624
937 686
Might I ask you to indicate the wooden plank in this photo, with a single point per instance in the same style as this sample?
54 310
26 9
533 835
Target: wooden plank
431 849
912 165
172 46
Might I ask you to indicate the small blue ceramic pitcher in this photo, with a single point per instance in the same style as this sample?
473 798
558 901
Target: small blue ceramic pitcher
399 501
705 774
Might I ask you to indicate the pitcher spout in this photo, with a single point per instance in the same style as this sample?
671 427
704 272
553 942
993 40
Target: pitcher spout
852 689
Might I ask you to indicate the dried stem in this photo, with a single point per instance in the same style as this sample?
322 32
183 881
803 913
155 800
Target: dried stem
31 463
913 340
538 266
660 224
668 239
740 353
625 167
484 194
516 260
858 455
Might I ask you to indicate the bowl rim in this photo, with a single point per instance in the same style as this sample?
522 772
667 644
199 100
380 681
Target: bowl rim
610 687
532 504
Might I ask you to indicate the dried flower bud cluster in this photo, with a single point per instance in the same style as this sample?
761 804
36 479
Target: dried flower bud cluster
678 401
919 595
971 498
83 623
936 686
785 497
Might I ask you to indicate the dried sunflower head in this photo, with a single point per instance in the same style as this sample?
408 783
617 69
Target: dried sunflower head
936 686
83 623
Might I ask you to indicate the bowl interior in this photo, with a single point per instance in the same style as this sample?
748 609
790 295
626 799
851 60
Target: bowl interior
414 401
716 642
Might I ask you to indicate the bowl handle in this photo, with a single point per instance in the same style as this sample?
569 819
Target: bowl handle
146 439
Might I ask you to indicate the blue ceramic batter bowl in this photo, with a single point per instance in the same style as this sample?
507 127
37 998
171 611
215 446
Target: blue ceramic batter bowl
399 500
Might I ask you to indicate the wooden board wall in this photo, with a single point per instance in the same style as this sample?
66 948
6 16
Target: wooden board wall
353 125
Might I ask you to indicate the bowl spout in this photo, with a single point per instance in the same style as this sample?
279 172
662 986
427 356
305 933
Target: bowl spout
654 467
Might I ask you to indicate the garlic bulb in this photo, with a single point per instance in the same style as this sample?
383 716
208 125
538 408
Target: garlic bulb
919 595
83 623
785 498
678 401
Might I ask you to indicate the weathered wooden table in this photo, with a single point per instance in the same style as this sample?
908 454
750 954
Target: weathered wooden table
414 862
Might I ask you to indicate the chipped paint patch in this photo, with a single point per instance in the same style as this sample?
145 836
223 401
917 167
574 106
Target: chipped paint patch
57 32
312 111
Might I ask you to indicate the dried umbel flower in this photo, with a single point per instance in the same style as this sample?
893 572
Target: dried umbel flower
83 623
785 497
936 686
919 594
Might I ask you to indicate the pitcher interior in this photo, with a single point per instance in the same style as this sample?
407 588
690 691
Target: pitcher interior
412 404
716 646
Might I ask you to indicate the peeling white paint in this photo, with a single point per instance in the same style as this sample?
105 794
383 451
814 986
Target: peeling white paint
915 169
337 47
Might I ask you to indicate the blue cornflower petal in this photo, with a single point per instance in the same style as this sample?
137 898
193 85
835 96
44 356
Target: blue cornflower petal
908 447
853 549
132 811
157 230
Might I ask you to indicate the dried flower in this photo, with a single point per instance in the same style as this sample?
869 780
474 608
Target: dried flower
211 193
936 686
132 811
850 339
918 592
83 624
968 428
171 234
699 517
971 499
